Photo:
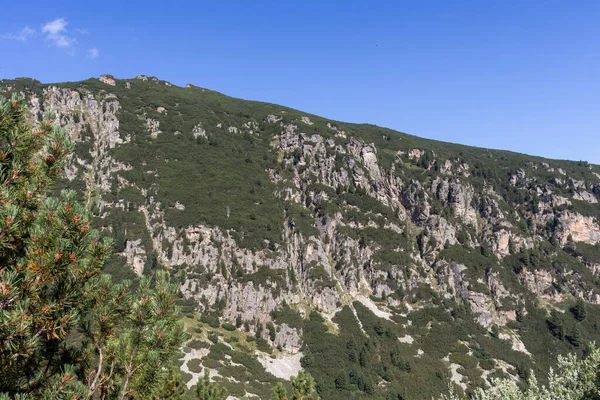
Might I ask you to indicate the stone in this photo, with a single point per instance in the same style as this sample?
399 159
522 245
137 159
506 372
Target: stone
306 120
199 132
153 127
109 80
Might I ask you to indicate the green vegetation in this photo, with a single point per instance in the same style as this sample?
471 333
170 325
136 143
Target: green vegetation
66 330
207 390
303 388
575 379
236 178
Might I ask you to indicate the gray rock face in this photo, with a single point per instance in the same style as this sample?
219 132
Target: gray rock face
153 127
79 113
581 228
109 80
290 339
537 281
135 255
487 307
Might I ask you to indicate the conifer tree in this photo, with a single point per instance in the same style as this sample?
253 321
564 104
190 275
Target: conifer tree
579 310
207 390
279 392
48 253
303 388
51 287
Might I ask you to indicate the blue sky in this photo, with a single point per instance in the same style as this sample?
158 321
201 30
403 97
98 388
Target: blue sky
516 75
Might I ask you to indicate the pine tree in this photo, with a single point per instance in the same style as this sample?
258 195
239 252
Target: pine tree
303 388
279 392
207 390
172 388
575 337
50 284
130 355
556 324
341 381
363 359
48 253
579 310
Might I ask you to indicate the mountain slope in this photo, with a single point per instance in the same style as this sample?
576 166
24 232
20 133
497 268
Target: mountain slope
392 265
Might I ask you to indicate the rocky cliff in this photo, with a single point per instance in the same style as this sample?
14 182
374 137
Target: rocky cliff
264 212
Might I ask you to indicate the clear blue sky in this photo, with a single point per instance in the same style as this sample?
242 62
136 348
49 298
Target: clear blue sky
516 75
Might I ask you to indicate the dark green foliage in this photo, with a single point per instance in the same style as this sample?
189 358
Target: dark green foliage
348 364
173 386
244 367
556 325
272 332
118 238
523 370
579 310
494 331
476 261
575 336
265 275
228 326
585 208
207 390
211 319
318 273
195 365
590 253
214 181
462 236
303 388
213 337
287 315
197 344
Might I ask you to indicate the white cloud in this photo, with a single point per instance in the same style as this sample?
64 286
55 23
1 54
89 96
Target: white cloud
55 33
22 36
93 53
55 27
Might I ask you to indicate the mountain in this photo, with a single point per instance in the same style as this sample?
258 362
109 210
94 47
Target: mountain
387 265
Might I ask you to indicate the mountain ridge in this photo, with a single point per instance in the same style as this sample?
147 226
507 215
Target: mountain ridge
366 124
